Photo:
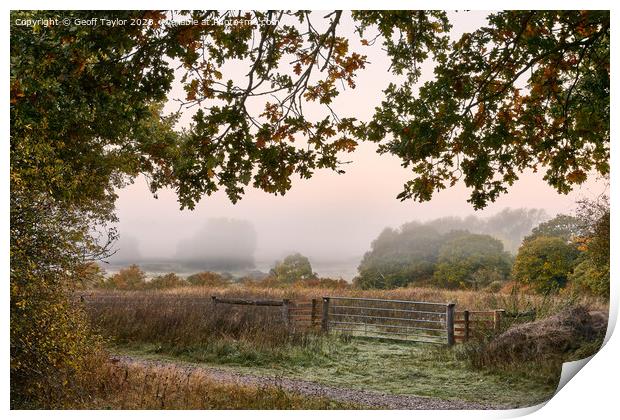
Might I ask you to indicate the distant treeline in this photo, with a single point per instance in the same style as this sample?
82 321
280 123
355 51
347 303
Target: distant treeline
568 251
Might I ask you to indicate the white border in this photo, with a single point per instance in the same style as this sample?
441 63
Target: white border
591 395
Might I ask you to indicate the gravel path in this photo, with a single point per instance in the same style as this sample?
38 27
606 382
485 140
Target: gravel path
371 399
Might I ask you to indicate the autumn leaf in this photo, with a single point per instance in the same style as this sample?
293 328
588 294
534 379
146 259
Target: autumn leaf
297 69
578 176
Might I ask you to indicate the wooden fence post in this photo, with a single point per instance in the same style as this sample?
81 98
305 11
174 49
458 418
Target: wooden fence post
313 314
450 323
285 312
497 318
466 326
325 315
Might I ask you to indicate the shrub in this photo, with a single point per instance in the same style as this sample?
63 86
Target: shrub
544 263
52 347
294 267
130 278
592 273
207 278
591 278
166 281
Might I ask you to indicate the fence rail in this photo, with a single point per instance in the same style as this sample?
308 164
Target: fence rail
469 324
263 302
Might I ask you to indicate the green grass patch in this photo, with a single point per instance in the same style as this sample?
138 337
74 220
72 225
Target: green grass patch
392 367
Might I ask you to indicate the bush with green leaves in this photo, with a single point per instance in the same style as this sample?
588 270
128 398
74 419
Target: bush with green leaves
545 263
591 278
52 345
592 273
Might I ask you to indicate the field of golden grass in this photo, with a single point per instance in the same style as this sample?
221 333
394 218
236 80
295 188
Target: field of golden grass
509 299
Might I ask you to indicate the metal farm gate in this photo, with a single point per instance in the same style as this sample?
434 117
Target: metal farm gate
386 318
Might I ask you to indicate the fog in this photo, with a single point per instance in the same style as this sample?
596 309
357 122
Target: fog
126 250
330 218
222 244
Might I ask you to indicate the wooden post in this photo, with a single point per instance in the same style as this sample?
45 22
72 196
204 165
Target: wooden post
325 315
466 325
313 314
497 318
450 323
285 313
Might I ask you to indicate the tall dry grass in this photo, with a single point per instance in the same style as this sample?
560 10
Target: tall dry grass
138 386
513 299
189 324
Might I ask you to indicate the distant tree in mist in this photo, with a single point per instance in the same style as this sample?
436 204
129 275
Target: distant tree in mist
509 225
293 268
400 256
222 244
562 226
127 250
471 261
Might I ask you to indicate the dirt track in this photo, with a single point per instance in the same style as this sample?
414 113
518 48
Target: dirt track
371 399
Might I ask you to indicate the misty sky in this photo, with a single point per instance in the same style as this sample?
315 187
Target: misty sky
330 216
